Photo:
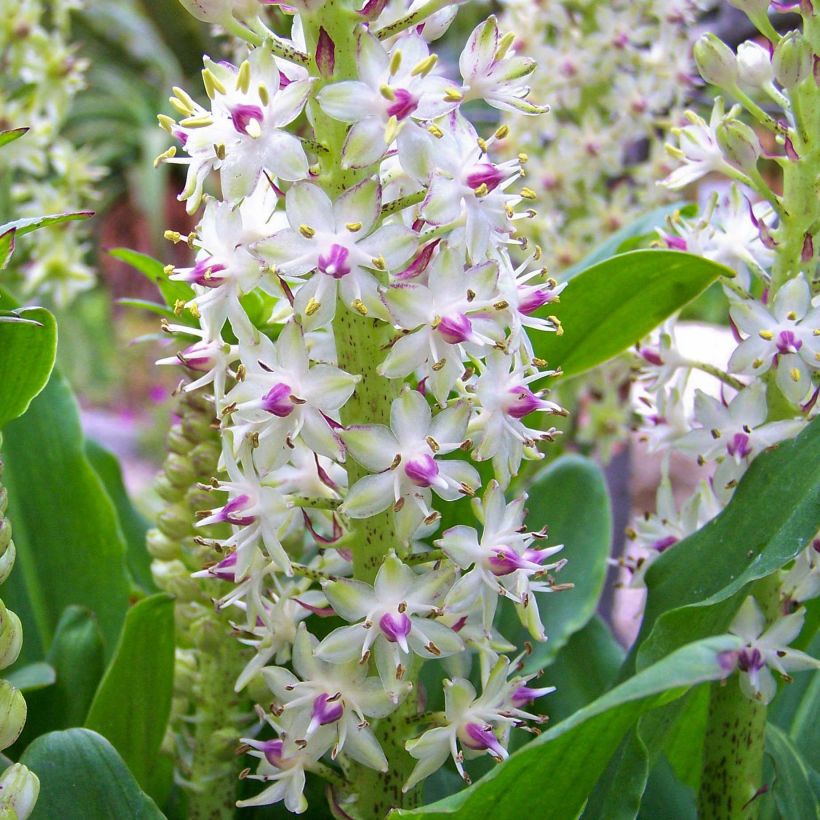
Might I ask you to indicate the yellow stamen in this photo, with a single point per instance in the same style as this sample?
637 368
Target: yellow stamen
767 335
353 226
243 77
425 66
359 306
312 306
307 231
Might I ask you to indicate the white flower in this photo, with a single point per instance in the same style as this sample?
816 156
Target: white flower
395 90
784 336
391 618
501 562
447 318
766 648
473 722
340 243
242 133
802 582
282 396
403 458
490 73
339 695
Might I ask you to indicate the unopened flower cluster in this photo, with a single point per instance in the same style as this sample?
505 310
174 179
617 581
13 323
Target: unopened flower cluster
396 251
42 74
768 388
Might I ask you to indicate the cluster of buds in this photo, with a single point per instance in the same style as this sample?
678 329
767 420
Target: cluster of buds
365 335
19 787
207 660
768 236
47 175
615 73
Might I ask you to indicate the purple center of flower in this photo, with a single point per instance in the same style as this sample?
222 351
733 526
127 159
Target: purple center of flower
651 356
750 660
677 243
524 402
200 356
524 695
534 298
664 543
335 262
484 173
395 627
787 342
278 401
272 750
422 471
455 329
327 709
203 273
504 560
739 445
478 737
236 505
403 105
242 116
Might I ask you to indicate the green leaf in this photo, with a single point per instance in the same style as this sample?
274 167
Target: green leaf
32 677
70 548
83 778
696 588
622 240
133 701
154 270
134 525
11 134
27 353
666 797
791 784
614 304
556 771
569 496
34 223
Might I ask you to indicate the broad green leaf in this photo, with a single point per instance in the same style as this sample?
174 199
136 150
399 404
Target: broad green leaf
134 524
570 497
615 303
11 134
70 548
621 240
32 677
666 798
791 784
151 307
83 778
154 270
27 353
696 587
552 776
76 656
133 701
34 223
7 241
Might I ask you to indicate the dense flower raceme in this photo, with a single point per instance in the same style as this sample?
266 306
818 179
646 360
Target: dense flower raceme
766 390
404 231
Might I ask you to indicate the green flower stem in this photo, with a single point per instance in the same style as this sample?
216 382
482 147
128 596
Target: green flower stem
360 344
413 19
209 659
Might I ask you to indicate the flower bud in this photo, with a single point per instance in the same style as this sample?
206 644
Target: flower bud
5 533
792 61
177 442
196 427
12 714
11 636
198 499
716 62
175 522
19 789
7 561
205 458
754 65
185 673
174 577
739 144
166 490
160 546
219 11
179 470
